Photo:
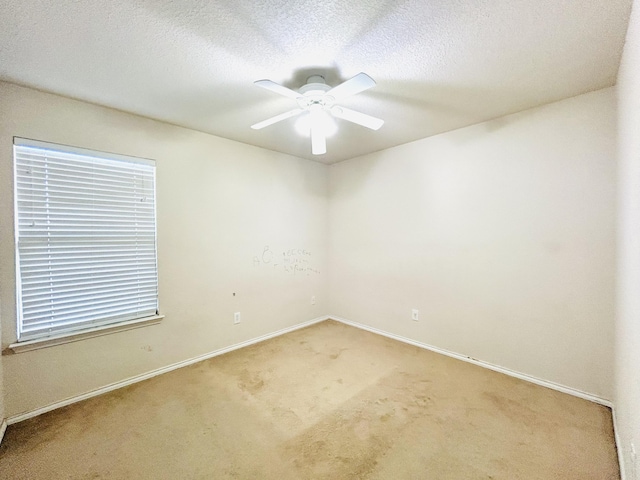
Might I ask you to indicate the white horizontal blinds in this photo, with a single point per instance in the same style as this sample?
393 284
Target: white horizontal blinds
86 239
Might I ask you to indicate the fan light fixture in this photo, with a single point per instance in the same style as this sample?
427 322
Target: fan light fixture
317 101
328 124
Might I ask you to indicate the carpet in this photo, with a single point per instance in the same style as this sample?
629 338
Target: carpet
325 402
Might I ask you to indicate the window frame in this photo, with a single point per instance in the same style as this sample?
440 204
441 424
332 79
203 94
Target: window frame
80 329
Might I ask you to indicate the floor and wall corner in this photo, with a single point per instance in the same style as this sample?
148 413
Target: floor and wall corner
516 239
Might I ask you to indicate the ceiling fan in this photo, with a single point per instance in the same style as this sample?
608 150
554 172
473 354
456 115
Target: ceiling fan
316 99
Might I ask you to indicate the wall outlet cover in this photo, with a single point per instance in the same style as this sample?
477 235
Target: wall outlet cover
236 318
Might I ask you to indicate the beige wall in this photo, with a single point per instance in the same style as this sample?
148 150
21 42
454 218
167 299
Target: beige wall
220 203
627 399
501 234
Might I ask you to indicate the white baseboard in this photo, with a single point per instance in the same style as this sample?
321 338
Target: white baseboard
153 373
490 366
138 378
619 446
3 428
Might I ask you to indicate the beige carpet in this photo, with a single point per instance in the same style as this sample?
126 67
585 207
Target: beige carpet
326 402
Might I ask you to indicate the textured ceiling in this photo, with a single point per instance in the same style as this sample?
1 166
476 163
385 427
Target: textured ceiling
439 65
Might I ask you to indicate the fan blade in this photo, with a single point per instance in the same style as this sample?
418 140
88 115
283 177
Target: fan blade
277 88
277 118
357 84
357 117
318 139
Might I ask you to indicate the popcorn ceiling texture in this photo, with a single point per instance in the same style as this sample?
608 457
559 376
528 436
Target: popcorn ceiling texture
439 65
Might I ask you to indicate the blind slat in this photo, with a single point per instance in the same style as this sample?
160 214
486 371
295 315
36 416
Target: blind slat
73 324
77 292
45 314
88 276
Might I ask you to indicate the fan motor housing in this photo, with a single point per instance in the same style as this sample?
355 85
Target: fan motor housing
314 94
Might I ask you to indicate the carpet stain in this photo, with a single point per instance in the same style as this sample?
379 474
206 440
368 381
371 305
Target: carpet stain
334 356
250 382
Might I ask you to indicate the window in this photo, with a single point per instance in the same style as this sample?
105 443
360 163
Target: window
85 239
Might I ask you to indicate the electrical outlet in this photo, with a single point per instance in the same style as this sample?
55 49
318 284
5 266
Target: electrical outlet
415 315
313 300
236 318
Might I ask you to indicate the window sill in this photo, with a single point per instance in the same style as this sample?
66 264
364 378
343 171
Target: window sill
28 345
